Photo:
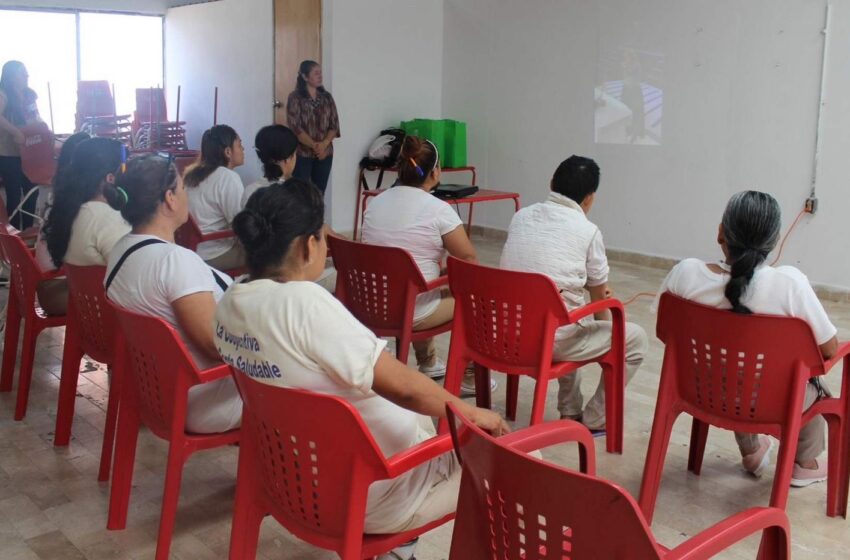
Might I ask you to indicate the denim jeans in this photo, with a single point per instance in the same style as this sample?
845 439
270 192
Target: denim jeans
315 170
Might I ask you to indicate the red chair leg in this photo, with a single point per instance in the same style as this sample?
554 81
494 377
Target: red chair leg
112 407
402 349
482 386
10 345
699 435
835 463
122 477
659 440
615 385
25 374
784 468
177 455
71 356
512 396
247 516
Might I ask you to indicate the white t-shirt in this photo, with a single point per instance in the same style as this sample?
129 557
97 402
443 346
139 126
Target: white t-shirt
95 230
410 218
254 187
783 291
148 282
556 239
302 337
214 203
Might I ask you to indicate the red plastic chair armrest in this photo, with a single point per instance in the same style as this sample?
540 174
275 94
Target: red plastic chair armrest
612 304
214 373
411 458
545 435
58 273
223 234
437 282
722 535
843 352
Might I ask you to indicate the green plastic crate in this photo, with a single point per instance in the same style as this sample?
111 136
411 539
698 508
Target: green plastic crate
448 135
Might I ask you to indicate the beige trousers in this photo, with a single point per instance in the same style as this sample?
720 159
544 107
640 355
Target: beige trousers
589 341
812 435
426 350
233 258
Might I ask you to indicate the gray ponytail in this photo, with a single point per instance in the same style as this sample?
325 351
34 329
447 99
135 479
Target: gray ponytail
751 225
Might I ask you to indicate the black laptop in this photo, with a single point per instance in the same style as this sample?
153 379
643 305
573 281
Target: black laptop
454 191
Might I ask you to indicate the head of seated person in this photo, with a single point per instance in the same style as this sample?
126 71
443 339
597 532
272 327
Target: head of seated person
221 146
152 196
282 232
419 164
275 146
85 172
577 178
748 232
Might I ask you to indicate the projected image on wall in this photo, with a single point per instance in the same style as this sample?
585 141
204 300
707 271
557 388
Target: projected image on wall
629 97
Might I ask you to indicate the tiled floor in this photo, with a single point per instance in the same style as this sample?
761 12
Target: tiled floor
52 507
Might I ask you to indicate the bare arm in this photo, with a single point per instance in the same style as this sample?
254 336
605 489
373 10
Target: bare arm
598 293
411 390
829 348
195 314
458 245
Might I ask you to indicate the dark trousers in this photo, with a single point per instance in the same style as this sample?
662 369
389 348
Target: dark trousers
316 170
17 185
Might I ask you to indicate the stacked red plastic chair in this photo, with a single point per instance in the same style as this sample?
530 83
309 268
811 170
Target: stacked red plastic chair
515 507
312 477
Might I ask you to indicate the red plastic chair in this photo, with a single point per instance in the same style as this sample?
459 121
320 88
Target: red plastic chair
713 368
189 235
91 330
502 512
96 111
158 374
38 153
22 305
379 286
506 321
313 477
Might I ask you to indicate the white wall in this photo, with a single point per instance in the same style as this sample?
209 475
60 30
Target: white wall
384 59
228 44
741 83
134 6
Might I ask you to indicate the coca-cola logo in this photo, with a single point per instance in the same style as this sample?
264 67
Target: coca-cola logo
33 140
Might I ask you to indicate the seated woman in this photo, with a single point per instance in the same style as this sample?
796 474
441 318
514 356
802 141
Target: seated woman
744 283
164 280
275 145
410 217
82 225
332 353
215 194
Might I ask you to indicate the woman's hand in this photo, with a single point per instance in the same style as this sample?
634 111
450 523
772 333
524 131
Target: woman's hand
19 137
490 421
321 149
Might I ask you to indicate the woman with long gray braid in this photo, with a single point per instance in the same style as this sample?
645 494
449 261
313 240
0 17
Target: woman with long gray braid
743 282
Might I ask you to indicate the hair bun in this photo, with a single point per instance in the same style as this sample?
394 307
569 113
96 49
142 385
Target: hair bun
252 229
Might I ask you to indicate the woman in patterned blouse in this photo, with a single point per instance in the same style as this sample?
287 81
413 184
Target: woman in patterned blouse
311 114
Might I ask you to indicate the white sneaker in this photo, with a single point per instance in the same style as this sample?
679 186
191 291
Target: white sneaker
435 370
403 552
467 386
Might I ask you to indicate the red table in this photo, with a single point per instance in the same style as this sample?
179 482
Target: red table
483 195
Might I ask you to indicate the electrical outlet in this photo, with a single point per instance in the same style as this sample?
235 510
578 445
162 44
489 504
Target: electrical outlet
811 205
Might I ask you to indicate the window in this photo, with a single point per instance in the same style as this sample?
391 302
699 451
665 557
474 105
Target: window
125 50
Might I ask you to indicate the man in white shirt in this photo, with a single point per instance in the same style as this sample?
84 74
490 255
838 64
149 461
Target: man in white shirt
555 238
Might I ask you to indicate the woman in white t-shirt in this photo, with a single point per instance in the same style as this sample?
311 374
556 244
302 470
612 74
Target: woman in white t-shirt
410 217
82 225
162 279
744 283
275 145
215 194
311 338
